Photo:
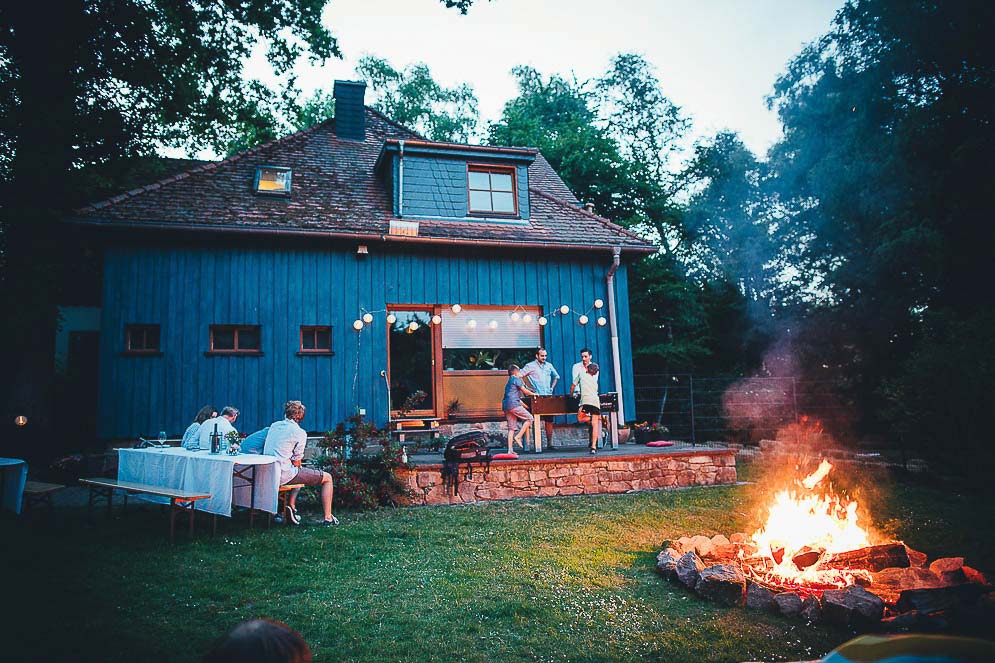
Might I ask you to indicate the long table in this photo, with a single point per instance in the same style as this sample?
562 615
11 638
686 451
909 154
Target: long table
13 472
248 480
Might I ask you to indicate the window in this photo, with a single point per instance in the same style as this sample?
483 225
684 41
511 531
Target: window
316 340
272 180
141 339
489 338
233 339
492 190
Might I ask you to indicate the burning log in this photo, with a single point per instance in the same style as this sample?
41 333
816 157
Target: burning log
806 557
871 558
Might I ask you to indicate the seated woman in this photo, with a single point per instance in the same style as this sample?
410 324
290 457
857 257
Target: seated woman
191 437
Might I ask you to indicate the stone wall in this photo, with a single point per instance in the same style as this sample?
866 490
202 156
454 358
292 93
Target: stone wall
535 477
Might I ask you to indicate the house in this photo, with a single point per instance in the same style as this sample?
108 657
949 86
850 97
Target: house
351 265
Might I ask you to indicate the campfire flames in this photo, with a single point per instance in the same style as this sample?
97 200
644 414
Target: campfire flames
807 524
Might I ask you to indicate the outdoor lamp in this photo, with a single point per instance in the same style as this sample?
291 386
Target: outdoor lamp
358 325
602 321
542 321
456 308
367 318
436 319
564 309
20 420
492 324
391 318
582 319
598 303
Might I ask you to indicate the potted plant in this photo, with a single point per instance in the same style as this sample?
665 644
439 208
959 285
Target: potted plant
646 432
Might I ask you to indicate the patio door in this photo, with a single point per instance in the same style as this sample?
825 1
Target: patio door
411 345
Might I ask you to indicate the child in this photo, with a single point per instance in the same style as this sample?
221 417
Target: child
590 403
514 411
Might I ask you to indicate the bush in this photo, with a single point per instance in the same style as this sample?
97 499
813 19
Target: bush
362 460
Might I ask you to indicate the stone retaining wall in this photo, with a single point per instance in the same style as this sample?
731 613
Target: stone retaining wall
536 477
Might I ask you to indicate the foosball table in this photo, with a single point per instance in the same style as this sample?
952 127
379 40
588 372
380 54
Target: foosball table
553 405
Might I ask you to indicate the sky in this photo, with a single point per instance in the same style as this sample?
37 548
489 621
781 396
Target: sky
716 59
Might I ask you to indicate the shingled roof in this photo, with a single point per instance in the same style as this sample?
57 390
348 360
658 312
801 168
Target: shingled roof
336 193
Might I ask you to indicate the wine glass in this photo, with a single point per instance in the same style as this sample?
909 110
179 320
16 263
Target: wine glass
162 438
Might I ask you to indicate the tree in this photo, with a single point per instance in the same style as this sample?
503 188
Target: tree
413 98
885 170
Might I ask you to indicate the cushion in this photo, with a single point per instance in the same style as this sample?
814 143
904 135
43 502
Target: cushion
660 443
504 457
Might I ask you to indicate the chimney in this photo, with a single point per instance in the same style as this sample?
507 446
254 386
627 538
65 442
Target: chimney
350 113
589 207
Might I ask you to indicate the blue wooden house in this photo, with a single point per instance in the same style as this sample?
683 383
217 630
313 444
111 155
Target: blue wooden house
351 265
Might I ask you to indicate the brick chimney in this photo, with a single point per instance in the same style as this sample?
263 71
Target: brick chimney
350 114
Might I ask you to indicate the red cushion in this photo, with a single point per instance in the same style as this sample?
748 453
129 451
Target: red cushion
660 443
504 457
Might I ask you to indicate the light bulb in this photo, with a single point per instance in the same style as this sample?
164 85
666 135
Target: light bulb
391 318
582 319
471 324
492 324
527 318
602 321
436 319
598 303
542 321
367 318
357 325
564 309
413 326
515 316
20 420
456 308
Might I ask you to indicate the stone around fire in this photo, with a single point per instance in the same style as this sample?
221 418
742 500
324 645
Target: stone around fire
760 598
689 569
723 583
666 563
789 603
853 606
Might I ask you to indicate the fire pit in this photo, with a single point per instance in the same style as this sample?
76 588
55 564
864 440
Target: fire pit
814 558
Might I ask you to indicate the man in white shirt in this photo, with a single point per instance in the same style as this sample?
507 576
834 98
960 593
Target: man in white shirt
286 440
543 377
223 422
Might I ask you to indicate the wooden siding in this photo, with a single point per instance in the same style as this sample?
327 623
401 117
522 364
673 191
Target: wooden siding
187 289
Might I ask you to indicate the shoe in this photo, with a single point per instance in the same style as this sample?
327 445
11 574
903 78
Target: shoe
293 516
334 522
278 520
593 451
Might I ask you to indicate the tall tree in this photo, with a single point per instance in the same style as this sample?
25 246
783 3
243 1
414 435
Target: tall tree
412 97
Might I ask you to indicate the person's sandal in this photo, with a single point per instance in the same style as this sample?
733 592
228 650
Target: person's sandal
334 522
292 516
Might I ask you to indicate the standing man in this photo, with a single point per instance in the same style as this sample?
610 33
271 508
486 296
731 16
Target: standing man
286 440
223 422
578 370
543 378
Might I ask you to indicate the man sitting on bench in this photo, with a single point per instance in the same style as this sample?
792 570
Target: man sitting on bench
286 440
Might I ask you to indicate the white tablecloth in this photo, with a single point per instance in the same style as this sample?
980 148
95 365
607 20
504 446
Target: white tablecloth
176 467
13 473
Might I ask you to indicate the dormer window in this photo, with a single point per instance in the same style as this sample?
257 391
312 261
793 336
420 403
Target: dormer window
492 190
272 181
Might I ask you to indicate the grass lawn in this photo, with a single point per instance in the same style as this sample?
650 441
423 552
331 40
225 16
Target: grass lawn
547 580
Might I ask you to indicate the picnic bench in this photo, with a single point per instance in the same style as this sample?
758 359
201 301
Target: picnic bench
179 500
282 501
37 493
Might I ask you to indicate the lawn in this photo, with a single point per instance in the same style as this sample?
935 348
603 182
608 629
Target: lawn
567 579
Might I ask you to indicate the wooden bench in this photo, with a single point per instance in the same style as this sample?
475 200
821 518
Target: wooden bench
37 493
179 500
281 500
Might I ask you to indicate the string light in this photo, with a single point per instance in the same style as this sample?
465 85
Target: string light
602 321
527 318
437 319
515 316
598 303
358 325
564 309
391 318
582 319
367 318
20 420
492 324
471 324
456 308
413 325
542 321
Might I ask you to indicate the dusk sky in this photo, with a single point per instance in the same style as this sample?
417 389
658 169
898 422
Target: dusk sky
717 59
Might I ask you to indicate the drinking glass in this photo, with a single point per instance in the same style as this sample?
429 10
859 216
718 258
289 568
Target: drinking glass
162 438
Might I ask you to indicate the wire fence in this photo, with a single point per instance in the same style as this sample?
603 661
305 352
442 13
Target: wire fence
701 409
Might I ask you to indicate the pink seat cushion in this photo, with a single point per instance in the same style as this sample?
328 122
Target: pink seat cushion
660 443
504 457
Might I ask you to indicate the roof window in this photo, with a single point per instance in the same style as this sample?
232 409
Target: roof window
272 180
492 190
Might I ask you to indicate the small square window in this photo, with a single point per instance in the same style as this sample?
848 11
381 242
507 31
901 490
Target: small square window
141 339
491 190
273 180
316 339
236 339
